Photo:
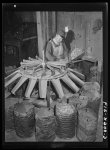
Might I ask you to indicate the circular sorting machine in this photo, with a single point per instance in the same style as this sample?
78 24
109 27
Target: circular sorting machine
38 70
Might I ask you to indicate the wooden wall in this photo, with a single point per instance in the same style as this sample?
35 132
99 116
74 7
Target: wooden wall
76 23
82 24
95 38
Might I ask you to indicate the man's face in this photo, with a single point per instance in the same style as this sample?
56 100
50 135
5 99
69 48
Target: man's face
58 38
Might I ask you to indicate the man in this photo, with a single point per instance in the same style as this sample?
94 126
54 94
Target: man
56 48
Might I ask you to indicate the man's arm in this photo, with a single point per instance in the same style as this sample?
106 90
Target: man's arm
49 54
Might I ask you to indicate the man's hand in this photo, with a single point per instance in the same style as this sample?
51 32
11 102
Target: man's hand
58 59
66 29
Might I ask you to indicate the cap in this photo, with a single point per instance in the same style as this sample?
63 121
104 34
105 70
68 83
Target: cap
61 33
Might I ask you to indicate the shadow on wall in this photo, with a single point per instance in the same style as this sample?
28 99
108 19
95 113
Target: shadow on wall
97 25
69 38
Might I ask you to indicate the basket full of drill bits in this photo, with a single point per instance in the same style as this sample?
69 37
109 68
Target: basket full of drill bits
78 101
93 74
91 91
45 125
9 125
65 119
87 125
24 119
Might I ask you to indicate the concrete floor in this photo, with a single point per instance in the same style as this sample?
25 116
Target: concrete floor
10 134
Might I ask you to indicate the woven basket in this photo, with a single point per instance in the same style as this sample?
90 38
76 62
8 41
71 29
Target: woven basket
94 105
45 125
87 125
65 119
24 119
78 102
9 123
91 90
73 100
88 86
94 100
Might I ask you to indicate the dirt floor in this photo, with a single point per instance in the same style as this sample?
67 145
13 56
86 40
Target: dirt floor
10 134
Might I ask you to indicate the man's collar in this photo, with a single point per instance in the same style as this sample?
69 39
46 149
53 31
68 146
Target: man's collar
55 43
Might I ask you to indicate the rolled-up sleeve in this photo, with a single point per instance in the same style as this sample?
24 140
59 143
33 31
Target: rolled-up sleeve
49 53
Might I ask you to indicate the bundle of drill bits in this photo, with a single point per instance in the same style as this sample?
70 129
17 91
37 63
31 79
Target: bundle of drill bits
45 125
87 125
65 119
91 91
24 119
78 101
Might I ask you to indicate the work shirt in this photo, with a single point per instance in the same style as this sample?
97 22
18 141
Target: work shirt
54 52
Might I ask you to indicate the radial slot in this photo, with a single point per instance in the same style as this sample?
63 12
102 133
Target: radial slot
21 81
51 68
55 66
37 67
30 87
75 78
80 75
12 79
38 73
38 58
12 74
58 87
27 61
59 63
70 83
31 61
42 88
29 64
46 74
35 60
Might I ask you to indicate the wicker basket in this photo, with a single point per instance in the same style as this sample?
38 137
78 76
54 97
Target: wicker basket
65 119
94 105
73 100
9 123
78 102
82 103
45 125
24 119
88 86
87 125
94 100
91 90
